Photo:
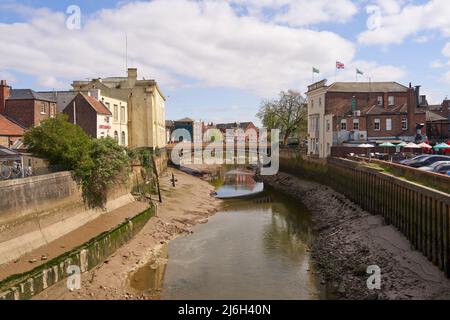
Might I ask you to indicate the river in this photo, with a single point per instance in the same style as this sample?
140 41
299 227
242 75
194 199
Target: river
253 248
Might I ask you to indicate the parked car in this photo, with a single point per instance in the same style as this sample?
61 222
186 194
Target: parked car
428 161
416 158
443 168
433 166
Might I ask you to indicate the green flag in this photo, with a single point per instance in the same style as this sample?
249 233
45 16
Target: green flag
359 72
315 70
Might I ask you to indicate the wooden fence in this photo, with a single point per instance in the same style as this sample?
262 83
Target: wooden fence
422 214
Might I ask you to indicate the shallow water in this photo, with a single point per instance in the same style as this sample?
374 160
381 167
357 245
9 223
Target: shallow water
252 249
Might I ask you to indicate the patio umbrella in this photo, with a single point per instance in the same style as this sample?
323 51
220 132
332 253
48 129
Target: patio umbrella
425 145
412 145
442 146
387 145
366 146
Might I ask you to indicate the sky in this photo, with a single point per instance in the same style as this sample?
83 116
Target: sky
216 60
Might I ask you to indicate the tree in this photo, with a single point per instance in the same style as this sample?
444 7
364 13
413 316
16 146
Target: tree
60 142
287 113
96 164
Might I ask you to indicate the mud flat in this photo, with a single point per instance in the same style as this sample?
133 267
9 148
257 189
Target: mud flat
349 239
184 206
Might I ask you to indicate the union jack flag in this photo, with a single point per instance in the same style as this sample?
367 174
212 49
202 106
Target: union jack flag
339 65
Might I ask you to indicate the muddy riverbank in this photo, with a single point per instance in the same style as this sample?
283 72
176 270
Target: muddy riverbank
350 239
184 206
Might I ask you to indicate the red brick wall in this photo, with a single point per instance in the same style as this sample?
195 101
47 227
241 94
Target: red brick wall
21 111
86 116
27 112
339 103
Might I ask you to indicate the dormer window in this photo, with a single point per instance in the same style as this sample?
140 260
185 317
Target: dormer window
380 101
391 100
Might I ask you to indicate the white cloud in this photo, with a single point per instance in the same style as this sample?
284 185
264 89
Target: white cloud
398 24
301 12
171 40
180 43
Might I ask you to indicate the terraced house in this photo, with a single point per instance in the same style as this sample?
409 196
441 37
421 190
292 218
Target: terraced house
349 113
25 107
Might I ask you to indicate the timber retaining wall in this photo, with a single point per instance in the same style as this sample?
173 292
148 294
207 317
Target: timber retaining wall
422 214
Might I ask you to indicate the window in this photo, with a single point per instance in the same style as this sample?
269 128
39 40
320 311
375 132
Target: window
122 114
123 138
43 108
108 106
107 119
116 112
388 124
52 110
328 126
343 124
391 100
312 103
404 124
355 124
116 136
320 102
377 125
380 101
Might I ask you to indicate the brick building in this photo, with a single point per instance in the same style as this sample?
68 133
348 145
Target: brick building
10 132
235 127
99 116
357 112
25 106
438 121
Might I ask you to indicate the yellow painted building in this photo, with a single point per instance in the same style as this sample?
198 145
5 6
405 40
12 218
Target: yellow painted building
146 106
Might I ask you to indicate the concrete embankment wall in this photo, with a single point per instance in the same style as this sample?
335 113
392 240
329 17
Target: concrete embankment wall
85 257
37 210
422 214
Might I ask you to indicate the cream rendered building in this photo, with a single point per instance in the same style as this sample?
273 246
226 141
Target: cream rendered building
320 125
146 106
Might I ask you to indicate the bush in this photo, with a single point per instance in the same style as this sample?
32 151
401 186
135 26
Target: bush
97 164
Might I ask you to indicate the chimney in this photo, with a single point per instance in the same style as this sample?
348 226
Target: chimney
132 76
417 94
386 100
4 94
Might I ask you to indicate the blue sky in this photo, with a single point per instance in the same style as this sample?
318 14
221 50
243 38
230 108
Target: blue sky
216 60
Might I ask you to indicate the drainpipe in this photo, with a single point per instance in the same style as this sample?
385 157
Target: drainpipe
74 113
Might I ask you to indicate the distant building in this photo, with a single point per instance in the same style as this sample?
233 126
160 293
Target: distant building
187 127
438 121
169 129
10 132
357 112
25 106
230 131
99 116
62 98
146 106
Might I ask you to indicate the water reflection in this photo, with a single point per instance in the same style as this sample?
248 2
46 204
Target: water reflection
237 183
252 249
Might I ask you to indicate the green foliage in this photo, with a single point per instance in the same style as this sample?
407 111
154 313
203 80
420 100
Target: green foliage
60 142
111 166
287 113
97 164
